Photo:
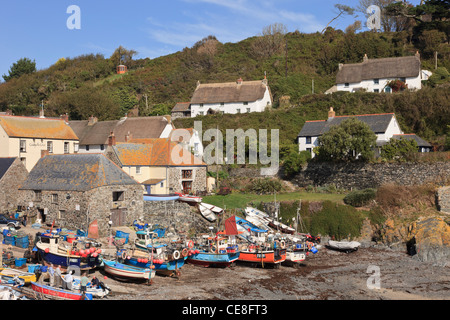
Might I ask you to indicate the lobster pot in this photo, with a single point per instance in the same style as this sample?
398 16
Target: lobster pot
22 242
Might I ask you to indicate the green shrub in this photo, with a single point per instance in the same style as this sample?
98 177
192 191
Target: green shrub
360 198
265 186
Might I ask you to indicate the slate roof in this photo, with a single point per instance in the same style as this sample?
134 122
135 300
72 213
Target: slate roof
228 92
41 128
154 152
397 67
377 122
75 172
139 127
181 107
411 136
5 163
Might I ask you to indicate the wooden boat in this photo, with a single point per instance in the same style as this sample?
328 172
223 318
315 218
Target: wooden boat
214 252
161 197
208 211
189 198
58 294
281 227
53 249
123 271
9 274
262 256
13 293
250 211
250 232
96 292
346 246
211 207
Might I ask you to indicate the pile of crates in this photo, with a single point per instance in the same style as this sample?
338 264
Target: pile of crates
17 239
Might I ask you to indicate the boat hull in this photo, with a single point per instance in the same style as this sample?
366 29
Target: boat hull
211 259
9 274
127 272
66 261
161 197
55 293
165 266
271 257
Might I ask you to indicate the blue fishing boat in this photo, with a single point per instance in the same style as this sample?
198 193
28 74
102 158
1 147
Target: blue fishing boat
161 197
52 249
128 272
214 252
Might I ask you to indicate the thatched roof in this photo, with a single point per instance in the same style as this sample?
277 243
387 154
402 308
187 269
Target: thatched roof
399 67
228 92
181 107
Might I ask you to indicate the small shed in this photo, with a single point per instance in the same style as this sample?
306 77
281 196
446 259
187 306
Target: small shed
121 69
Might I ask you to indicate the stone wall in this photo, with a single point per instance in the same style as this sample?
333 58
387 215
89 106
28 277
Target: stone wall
198 178
371 175
9 185
443 199
177 217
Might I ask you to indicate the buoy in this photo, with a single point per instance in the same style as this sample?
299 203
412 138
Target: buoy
82 252
145 261
47 250
95 254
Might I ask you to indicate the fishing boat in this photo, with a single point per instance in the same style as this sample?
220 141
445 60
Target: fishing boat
96 291
13 293
214 252
127 272
280 226
346 246
262 255
8 274
189 198
248 231
209 211
249 211
161 197
57 293
53 249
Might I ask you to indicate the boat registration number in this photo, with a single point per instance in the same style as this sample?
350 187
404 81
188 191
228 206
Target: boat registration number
260 255
73 260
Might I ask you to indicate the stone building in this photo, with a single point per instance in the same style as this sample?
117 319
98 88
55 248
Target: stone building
161 165
12 174
74 190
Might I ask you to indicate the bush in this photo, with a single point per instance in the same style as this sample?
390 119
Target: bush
360 198
265 186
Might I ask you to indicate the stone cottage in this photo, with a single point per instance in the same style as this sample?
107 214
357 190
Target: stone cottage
74 190
12 174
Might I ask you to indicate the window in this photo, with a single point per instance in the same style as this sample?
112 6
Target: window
201 105
200 113
61 213
76 147
376 90
66 147
87 148
403 80
238 110
50 146
347 85
162 185
54 198
222 104
309 150
245 103
308 140
248 110
37 195
102 147
23 146
387 89
186 174
24 161
117 195
138 170
376 81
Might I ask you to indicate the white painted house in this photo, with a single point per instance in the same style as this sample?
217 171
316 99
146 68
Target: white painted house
373 75
230 97
385 126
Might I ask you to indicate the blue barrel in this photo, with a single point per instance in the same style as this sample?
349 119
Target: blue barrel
314 250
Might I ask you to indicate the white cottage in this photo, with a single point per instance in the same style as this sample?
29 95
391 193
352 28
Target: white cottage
373 75
231 97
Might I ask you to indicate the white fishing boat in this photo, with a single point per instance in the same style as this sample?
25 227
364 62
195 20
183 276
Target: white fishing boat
189 198
209 211
249 211
123 271
346 246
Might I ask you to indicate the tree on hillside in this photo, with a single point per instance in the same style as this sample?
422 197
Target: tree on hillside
22 66
122 56
349 141
342 9
271 40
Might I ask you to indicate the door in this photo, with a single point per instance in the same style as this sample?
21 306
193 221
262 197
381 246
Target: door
118 217
187 187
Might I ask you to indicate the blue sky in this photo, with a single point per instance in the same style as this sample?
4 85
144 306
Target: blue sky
38 29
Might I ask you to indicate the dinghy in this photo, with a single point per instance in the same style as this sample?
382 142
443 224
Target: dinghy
123 271
346 246
209 211
189 198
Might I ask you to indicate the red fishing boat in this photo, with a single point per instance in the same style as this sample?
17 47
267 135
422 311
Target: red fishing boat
258 255
59 294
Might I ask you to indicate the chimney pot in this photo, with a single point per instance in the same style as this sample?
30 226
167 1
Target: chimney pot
111 139
331 113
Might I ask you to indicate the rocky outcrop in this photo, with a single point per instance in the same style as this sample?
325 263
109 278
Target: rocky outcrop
443 199
430 238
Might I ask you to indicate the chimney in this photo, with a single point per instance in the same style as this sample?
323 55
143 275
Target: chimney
417 55
341 65
41 113
65 117
92 120
331 113
239 81
128 136
111 139
365 59
44 153
198 83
